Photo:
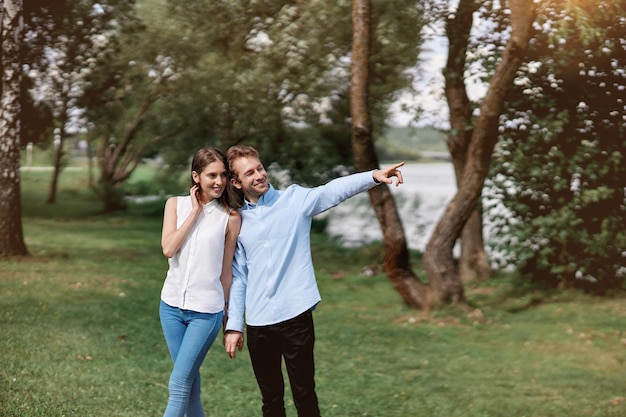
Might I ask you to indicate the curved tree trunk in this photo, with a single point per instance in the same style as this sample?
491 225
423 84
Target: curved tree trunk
396 255
438 260
473 263
11 231
118 162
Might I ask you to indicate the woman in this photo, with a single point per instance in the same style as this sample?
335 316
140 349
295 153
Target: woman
199 238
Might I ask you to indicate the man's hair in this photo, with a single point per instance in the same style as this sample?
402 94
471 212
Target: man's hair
239 151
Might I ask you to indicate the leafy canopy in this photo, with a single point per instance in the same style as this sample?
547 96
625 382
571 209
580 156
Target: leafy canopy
561 172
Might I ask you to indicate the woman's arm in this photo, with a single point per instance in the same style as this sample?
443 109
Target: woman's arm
232 232
172 238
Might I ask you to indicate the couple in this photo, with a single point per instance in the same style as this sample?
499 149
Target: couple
258 258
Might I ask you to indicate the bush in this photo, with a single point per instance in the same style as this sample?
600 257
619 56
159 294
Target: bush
562 159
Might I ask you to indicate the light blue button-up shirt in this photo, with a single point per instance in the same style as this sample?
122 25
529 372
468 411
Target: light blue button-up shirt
273 276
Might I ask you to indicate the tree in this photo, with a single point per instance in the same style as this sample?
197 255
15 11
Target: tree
66 42
118 99
11 231
99 72
565 207
396 261
272 74
473 263
438 260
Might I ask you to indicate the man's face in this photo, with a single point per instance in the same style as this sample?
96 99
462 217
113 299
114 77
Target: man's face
250 177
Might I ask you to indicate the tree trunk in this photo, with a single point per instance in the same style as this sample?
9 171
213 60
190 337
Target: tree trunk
396 255
473 263
118 162
112 198
90 166
438 260
56 168
11 232
58 145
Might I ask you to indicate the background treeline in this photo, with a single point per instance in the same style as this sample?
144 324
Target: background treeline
158 79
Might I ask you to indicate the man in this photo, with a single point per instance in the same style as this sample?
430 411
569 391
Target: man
273 276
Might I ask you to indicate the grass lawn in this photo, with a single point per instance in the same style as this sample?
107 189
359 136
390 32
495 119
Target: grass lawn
80 333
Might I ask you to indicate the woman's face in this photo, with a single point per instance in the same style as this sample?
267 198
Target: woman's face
212 180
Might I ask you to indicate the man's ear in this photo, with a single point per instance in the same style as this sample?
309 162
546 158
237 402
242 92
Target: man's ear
236 183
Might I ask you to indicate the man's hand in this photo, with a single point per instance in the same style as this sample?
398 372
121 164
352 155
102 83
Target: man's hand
233 340
384 175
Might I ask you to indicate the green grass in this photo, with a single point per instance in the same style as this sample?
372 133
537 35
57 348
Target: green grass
81 334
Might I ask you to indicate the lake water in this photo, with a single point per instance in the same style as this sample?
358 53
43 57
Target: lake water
421 200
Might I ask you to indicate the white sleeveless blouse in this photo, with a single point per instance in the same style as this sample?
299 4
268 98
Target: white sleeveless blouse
193 277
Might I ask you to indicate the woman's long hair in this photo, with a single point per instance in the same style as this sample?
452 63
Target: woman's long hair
204 157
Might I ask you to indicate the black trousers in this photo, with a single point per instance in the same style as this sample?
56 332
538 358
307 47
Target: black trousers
292 340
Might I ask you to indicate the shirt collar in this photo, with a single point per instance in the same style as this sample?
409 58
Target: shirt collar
265 200
210 206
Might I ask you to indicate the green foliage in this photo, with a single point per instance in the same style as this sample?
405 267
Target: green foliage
80 68
153 179
270 73
81 335
561 163
65 42
275 75
36 120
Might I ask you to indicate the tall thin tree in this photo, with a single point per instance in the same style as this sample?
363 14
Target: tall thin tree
11 231
396 255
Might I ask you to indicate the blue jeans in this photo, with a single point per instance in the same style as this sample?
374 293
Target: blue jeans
189 335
